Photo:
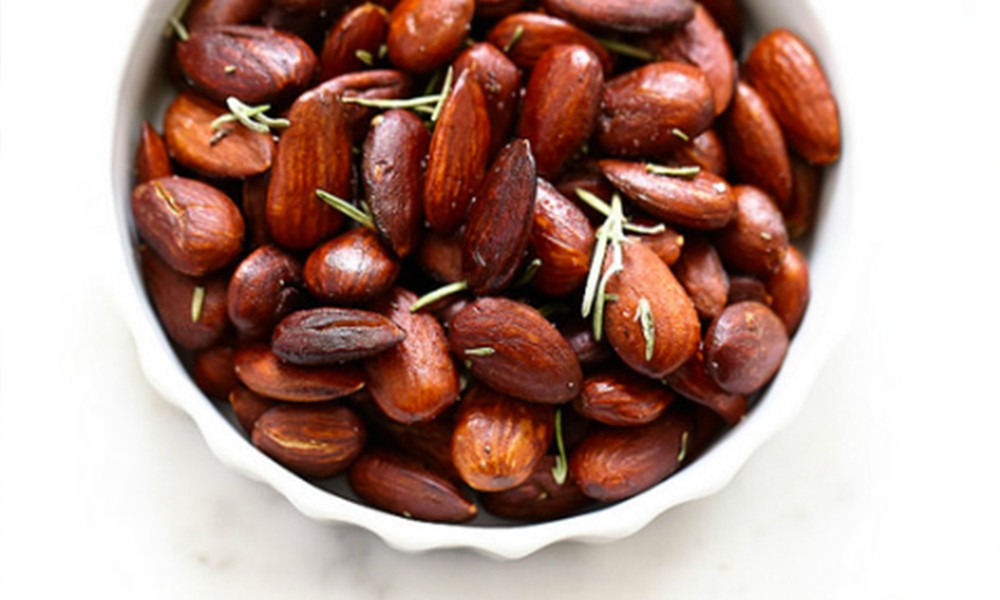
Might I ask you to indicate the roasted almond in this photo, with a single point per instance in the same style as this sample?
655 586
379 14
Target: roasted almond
512 348
254 204
622 398
704 278
539 498
205 13
353 42
263 289
801 210
755 241
498 440
526 36
788 75
585 175
624 15
192 310
743 288
213 373
248 406
151 158
312 440
440 256
497 9
588 349
744 347
668 245
192 226
352 268
425 34
257 65
377 84
326 336
262 371
692 381
705 151
500 80
789 287
563 239
729 15
427 441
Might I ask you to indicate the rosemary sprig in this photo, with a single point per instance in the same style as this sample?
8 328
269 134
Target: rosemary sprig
361 216
684 448
439 294
445 91
175 22
645 317
561 468
365 57
251 117
680 134
610 236
691 171
627 50
484 351
197 303
604 208
514 39
529 273
392 102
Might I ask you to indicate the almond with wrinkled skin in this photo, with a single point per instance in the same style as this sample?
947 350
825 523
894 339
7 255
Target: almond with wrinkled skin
701 43
151 158
403 486
801 209
788 75
362 29
539 498
316 441
617 463
352 268
192 226
563 239
313 153
230 151
561 105
624 15
668 245
755 241
512 348
701 273
378 84
703 202
393 175
756 146
213 373
498 440
789 286
271 66
642 108
676 331
263 289
262 371
416 379
248 406
499 221
744 347
743 288
174 296
539 33
622 398
458 155
500 80
327 336
206 13
694 383
425 34
705 151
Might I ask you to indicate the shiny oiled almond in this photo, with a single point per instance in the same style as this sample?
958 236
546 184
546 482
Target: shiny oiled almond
729 16
270 66
668 245
351 269
403 486
500 80
526 36
248 406
392 170
789 286
801 210
744 347
561 105
440 256
416 379
213 372
580 335
313 153
617 463
703 202
539 498
755 241
232 150
425 34
642 109
361 30
703 44
512 348
693 382
499 221
563 239
264 288
498 440
622 398
705 151
192 310
652 325
151 158
701 273
427 441
262 371
205 13
254 205
326 336
314 441
788 75
192 226
624 15
458 155
755 145
743 288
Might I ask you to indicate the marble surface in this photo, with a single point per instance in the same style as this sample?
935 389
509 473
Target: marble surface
884 487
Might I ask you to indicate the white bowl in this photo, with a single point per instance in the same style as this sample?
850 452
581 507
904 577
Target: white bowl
144 94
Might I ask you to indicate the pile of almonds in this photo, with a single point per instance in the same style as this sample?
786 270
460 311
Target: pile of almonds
514 255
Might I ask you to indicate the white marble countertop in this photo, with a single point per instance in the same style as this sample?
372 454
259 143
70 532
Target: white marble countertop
885 487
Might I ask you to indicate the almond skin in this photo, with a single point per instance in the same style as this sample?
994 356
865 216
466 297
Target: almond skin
668 245
425 34
205 13
193 142
263 289
624 15
788 75
428 441
705 151
362 29
260 369
498 440
326 336
561 105
801 210
192 226
213 373
512 348
563 239
500 80
622 398
755 241
729 15
693 382
539 498
497 9
352 268
415 380
539 33
458 155
704 278
744 347
498 225
173 295
248 406
789 287
316 441
271 66
440 257
151 158
743 288
403 486
254 205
